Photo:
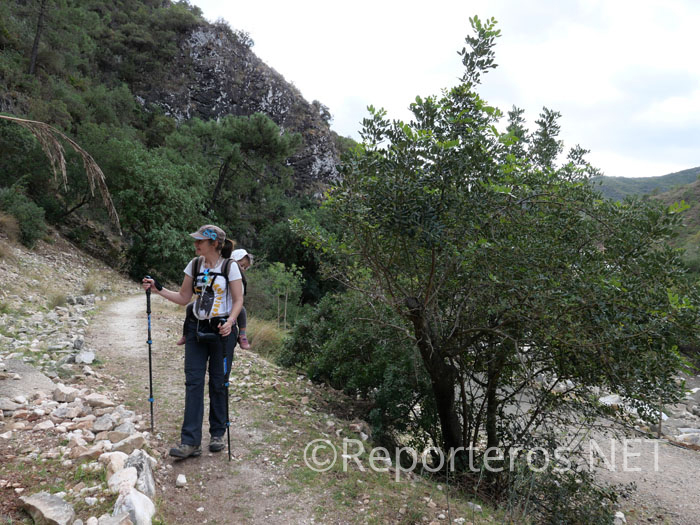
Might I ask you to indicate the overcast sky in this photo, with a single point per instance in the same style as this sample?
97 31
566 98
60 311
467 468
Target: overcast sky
624 73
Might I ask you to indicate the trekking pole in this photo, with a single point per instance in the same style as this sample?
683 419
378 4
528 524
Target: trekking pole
228 422
150 342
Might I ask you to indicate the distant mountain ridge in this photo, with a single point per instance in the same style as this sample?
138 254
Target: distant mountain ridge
617 188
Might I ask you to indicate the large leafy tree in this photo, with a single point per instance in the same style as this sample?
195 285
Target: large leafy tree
523 290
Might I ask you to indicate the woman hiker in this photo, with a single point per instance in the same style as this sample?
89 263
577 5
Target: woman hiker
210 335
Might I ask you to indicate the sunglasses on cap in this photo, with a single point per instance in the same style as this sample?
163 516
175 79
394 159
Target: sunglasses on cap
209 234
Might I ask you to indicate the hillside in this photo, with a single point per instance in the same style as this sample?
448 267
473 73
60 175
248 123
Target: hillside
689 235
188 125
617 188
165 57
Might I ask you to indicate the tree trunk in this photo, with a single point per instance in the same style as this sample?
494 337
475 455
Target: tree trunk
223 171
37 37
442 377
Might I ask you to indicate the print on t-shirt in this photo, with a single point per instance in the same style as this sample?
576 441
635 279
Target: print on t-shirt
213 298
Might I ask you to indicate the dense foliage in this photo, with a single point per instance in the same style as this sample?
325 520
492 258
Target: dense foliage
524 291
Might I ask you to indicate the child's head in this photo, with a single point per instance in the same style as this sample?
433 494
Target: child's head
243 258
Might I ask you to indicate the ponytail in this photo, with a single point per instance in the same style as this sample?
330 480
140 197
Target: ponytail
227 249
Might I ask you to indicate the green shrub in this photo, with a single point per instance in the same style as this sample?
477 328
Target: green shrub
30 217
338 343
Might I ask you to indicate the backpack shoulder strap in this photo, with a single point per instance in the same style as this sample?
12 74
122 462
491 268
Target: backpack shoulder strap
196 264
225 269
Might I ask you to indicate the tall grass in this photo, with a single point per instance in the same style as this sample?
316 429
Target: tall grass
56 299
266 339
91 286
9 226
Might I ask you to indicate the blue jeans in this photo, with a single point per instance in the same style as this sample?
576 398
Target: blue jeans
199 354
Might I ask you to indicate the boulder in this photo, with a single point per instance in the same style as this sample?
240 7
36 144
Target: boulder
47 508
85 357
143 464
65 394
103 423
44 425
123 481
9 405
139 507
129 444
99 400
114 461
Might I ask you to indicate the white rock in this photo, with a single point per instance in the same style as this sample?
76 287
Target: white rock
474 506
99 401
181 480
130 444
691 439
65 394
125 478
620 518
139 507
47 508
44 425
142 462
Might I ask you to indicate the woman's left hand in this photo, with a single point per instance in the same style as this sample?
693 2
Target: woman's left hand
225 328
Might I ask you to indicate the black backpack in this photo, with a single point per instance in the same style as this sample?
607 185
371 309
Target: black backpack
197 263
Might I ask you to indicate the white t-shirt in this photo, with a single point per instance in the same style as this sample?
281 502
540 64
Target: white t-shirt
212 299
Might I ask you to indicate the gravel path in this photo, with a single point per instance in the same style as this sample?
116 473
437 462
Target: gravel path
245 490
666 476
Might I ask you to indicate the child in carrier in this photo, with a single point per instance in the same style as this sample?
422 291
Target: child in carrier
244 261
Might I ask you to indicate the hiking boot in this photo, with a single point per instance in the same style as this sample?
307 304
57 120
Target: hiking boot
243 342
182 451
181 341
216 443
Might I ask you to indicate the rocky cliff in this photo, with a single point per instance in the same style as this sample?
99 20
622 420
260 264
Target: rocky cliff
217 74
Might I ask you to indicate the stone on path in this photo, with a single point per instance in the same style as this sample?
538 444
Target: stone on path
181 480
99 401
129 444
103 423
123 481
65 394
143 464
85 357
47 508
139 507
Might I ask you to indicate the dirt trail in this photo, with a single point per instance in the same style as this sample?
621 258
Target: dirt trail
249 489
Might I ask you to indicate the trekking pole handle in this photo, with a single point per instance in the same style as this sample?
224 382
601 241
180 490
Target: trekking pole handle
148 299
